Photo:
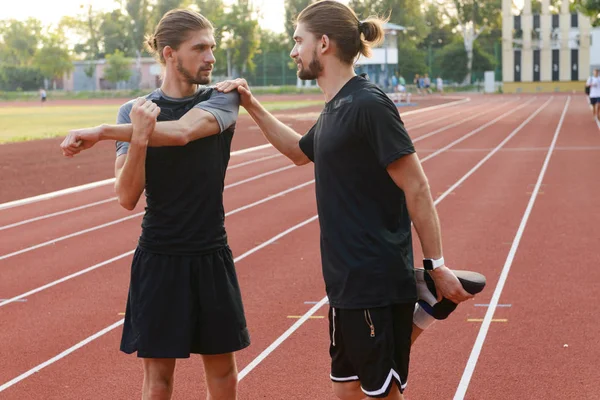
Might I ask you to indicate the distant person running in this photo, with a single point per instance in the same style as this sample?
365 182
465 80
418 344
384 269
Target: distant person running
184 295
43 96
593 83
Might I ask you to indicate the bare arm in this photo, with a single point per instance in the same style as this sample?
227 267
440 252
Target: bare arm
130 174
409 176
195 124
281 136
130 168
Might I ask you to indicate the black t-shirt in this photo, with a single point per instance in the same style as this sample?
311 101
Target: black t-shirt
184 184
366 244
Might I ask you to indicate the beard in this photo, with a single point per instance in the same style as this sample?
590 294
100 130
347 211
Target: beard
198 79
314 69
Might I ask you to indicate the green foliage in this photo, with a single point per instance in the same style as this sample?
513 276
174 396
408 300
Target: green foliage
19 41
244 40
118 67
53 59
411 60
451 61
407 13
20 78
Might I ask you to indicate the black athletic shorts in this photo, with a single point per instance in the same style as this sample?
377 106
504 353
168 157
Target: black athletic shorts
371 346
179 305
594 100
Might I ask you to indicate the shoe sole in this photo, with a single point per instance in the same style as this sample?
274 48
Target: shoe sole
472 282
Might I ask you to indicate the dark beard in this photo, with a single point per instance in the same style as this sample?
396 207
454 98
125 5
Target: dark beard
192 80
313 70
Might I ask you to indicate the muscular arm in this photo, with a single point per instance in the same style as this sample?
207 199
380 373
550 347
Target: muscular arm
281 136
409 176
195 124
130 174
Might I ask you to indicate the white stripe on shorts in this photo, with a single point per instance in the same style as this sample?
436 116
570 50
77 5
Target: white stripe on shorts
347 379
387 383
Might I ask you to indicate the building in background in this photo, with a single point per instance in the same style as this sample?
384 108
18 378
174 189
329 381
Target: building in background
89 75
383 62
544 52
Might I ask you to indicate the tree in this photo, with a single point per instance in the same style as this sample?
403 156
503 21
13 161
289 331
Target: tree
452 61
406 13
53 59
118 67
86 24
472 18
19 41
163 6
591 8
115 34
244 40
214 10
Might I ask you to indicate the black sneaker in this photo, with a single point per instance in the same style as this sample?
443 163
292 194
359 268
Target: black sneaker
472 282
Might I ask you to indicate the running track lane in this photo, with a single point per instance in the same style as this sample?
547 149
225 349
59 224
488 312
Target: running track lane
552 283
438 352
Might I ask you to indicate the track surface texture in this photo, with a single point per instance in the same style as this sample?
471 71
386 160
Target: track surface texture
515 184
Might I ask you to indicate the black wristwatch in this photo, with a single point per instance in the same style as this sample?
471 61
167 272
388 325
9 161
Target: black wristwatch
430 264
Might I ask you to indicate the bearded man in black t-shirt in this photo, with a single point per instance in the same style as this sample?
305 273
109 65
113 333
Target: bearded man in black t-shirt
370 186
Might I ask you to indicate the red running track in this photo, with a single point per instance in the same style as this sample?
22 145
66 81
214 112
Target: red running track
483 162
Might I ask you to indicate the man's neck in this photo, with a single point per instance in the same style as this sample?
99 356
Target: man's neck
333 78
176 88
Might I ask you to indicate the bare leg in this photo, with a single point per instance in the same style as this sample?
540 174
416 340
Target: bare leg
352 391
158 378
221 376
416 332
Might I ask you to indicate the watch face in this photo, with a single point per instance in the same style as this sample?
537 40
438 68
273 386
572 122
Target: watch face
428 265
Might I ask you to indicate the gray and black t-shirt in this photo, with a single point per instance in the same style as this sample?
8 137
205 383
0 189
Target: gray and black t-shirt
184 184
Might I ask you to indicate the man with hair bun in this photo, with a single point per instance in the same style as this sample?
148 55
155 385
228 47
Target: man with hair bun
369 186
184 296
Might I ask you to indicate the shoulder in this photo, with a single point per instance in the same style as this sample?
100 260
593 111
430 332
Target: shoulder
370 97
126 107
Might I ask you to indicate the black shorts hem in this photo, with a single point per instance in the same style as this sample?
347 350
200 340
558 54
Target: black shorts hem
181 305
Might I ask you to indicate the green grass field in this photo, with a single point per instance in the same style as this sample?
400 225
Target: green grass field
29 123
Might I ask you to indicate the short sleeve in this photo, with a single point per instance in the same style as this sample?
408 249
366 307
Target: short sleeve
223 106
307 144
123 118
379 120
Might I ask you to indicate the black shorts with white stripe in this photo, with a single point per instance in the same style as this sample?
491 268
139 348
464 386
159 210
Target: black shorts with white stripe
371 346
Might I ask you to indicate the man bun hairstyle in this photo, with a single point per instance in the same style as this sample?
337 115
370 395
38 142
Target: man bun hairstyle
173 29
340 23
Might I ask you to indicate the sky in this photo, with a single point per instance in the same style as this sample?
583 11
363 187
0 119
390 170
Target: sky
48 12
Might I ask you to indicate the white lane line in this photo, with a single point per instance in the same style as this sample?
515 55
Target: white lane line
70 210
243 164
42 217
483 330
265 353
95 228
445 128
306 316
473 132
93 185
431 121
119 323
103 263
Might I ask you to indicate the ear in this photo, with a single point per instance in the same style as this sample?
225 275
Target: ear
167 53
325 44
